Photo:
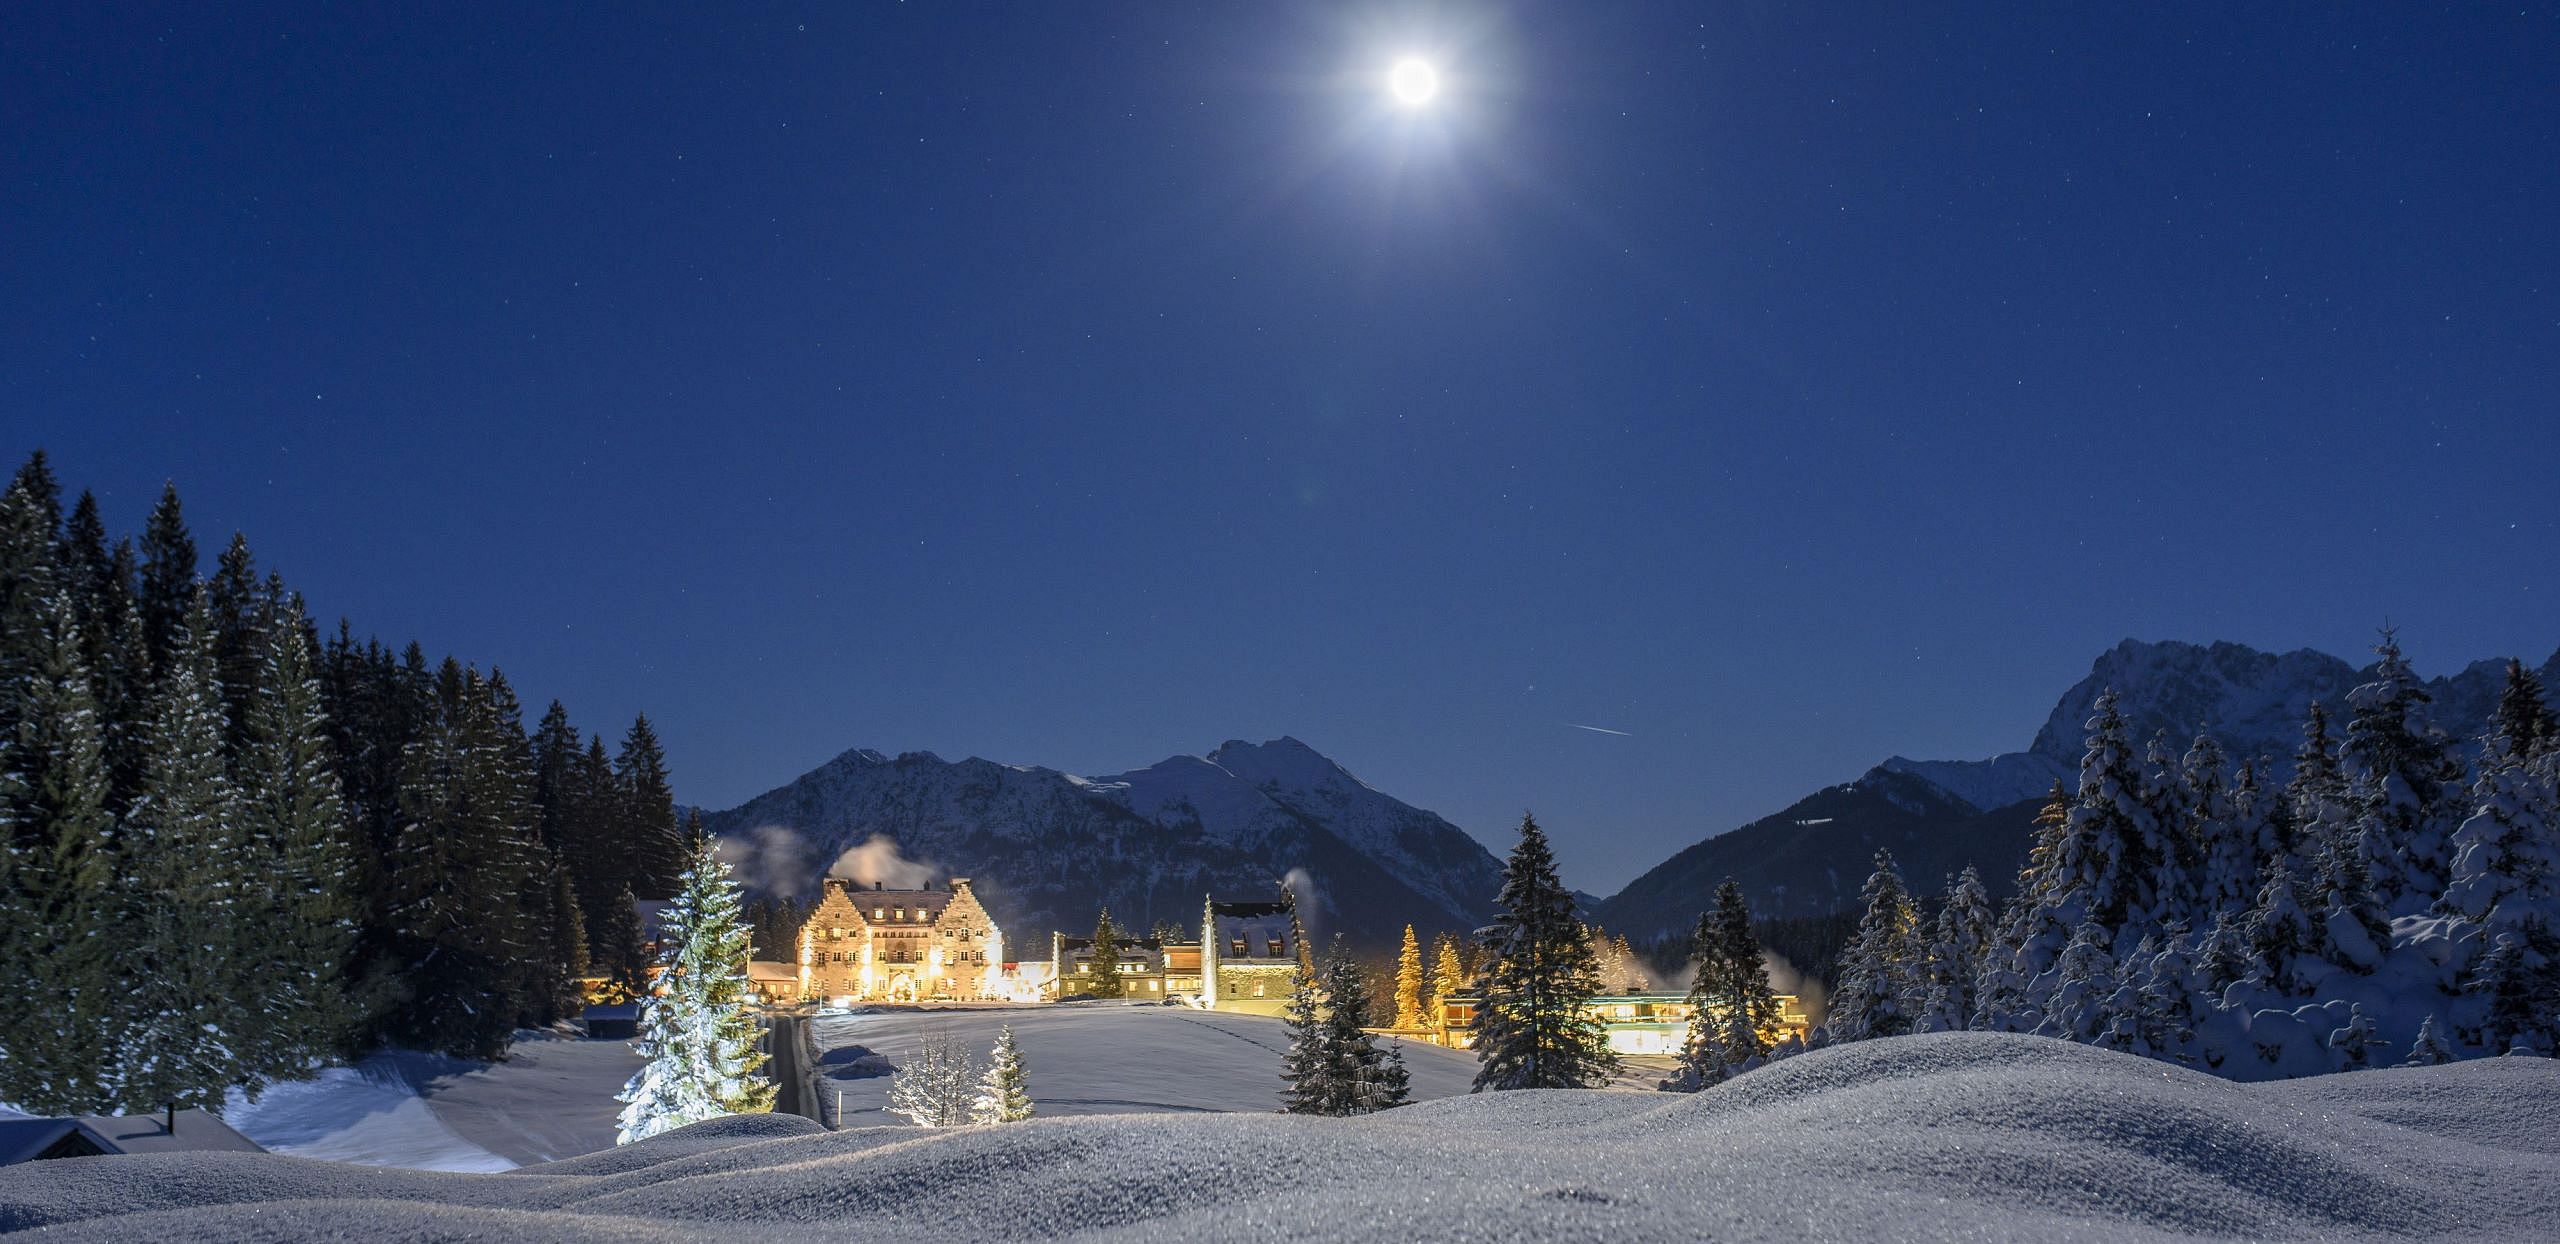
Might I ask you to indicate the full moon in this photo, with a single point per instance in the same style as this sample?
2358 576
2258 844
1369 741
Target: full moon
1413 81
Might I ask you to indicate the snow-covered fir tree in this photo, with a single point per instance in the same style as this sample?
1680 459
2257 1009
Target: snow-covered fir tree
2429 1049
191 883
1004 1091
2031 933
1306 1067
2176 997
2402 771
292 811
2084 1004
1733 1012
2504 890
2356 1044
1960 950
696 1031
1532 1028
59 932
1880 987
938 1085
1409 984
2285 946
1333 1065
2236 856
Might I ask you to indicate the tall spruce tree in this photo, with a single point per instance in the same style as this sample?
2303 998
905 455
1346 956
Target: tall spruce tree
1533 1025
696 1031
295 819
650 832
168 577
457 877
241 606
1104 977
61 941
193 886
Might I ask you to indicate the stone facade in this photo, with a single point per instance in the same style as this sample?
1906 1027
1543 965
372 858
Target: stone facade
880 945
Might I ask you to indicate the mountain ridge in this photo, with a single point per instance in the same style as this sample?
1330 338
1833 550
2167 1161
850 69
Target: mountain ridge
1046 849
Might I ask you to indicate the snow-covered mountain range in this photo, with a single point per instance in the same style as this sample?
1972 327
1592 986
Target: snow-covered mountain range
1046 849
1939 815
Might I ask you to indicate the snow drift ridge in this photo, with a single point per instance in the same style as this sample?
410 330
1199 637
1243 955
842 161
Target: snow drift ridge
1956 1135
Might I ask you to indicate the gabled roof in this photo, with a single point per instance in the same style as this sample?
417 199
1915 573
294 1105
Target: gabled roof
25 1140
197 1131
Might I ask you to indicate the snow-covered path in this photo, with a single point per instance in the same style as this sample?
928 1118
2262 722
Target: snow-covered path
551 1099
1100 1058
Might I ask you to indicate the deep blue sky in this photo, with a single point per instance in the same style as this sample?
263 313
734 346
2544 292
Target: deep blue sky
1787 386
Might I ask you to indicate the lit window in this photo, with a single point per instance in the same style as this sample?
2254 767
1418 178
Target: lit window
1279 947
1257 989
879 913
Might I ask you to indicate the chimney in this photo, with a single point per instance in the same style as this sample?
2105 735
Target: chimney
169 1122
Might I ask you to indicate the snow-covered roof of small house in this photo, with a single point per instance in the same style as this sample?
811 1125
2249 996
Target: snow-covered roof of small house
195 1131
769 969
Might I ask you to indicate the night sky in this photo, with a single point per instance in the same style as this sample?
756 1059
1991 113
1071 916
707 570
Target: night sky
1077 385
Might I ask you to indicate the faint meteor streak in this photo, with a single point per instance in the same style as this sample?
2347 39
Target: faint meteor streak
1600 730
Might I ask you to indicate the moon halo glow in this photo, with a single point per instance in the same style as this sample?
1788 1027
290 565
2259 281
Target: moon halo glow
1413 82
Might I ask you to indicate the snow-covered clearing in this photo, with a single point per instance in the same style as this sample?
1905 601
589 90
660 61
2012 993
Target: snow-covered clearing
1098 1058
552 1098
1955 1136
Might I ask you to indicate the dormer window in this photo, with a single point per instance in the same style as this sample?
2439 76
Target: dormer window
879 913
1279 947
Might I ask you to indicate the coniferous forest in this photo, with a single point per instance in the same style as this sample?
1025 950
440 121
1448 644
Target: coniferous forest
2388 903
233 847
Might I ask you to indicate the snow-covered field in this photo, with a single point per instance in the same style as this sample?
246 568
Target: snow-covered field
552 1098
1954 1136
1099 1058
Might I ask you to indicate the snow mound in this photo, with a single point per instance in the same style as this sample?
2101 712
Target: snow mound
1958 1135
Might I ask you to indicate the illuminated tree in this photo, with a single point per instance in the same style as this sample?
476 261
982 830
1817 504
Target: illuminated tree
1448 977
1004 1094
696 1032
1409 984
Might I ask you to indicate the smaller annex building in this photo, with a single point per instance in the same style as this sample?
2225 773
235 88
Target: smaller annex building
1244 959
1636 1023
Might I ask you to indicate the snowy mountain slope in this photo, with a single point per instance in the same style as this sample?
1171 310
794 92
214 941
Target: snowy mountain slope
1812 857
1047 849
1969 1136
